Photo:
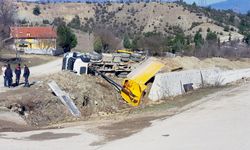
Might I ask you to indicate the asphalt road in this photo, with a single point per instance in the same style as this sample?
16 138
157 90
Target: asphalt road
221 122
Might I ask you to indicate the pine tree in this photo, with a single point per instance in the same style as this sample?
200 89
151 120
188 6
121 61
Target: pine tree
126 42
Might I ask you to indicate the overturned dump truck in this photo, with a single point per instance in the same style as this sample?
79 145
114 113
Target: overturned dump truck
76 62
133 87
118 64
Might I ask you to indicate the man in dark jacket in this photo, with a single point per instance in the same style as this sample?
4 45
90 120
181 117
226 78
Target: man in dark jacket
26 74
8 75
18 74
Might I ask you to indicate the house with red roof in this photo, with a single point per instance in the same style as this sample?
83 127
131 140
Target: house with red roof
34 40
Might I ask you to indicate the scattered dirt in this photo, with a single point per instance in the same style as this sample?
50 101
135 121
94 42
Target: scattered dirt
50 136
123 128
7 126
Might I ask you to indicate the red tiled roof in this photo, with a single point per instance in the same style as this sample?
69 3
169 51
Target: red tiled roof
33 32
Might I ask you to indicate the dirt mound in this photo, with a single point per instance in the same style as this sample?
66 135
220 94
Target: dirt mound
92 95
196 63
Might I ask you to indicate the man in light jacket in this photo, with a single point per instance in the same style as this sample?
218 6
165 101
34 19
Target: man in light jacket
4 67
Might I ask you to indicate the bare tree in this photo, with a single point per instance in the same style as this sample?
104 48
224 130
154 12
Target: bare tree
155 44
7 13
109 41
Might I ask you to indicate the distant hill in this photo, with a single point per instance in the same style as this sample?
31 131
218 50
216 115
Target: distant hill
187 1
241 6
136 18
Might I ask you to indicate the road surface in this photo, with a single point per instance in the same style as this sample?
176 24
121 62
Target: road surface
36 71
221 122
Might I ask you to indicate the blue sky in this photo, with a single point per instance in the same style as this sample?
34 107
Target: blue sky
208 1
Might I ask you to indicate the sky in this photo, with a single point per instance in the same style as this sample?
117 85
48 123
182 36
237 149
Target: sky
208 1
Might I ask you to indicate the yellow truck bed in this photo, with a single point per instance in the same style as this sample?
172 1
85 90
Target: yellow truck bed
145 71
134 85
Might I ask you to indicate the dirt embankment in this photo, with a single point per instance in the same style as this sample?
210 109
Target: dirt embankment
188 63
40 107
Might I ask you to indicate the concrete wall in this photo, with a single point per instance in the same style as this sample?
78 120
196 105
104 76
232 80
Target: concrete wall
226 77
171 84
39 51
36 46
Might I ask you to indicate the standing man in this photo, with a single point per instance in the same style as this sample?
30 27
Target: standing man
8 75
18 74
4 67
26 75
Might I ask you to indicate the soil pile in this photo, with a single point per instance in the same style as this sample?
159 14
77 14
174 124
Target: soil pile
39 106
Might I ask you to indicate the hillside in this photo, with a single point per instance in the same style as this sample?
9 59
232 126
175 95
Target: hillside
136 18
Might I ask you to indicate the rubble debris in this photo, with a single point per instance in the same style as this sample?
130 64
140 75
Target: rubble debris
65 99
18 108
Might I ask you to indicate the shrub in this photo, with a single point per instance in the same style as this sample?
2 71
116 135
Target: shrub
208 29
226 28
247 39
36 10
98 45
198 40
59 21
211 37
75 22
24 21
126 42
46 21
195 24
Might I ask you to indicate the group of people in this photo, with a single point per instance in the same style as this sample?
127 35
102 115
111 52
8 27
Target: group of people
8 75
